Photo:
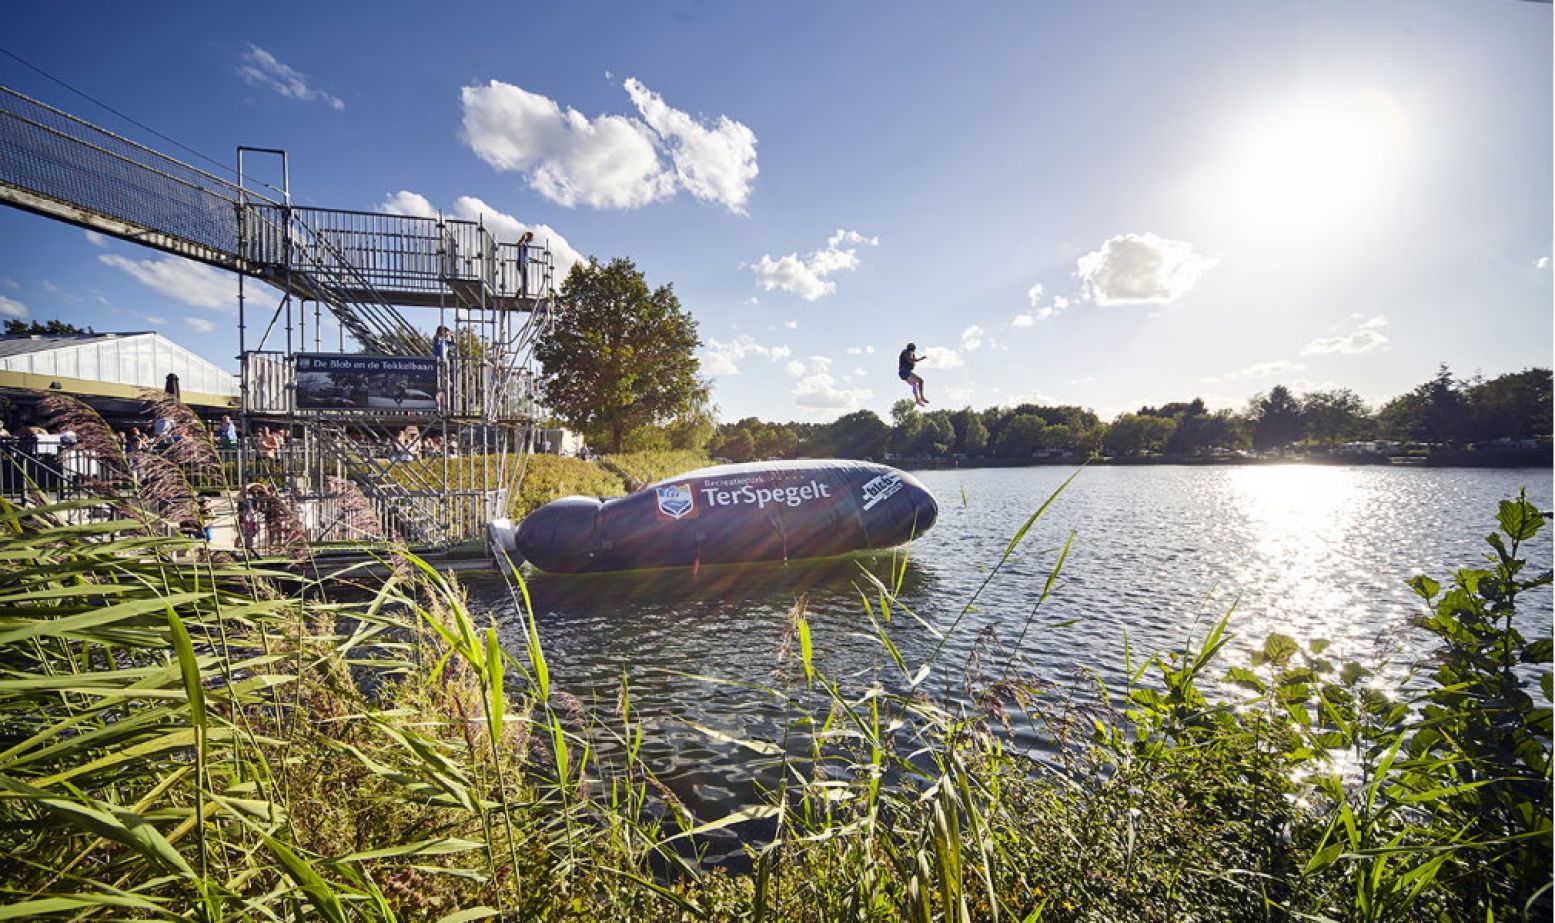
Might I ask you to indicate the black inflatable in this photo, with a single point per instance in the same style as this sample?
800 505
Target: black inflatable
731 514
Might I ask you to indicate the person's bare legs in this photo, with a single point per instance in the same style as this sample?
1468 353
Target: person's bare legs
917 389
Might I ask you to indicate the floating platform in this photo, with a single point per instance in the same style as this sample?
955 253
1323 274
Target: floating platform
729 514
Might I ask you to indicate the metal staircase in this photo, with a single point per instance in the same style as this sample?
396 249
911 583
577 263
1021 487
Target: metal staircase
408 503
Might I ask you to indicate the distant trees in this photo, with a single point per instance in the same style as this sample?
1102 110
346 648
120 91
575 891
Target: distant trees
1441 410
53 328
618 356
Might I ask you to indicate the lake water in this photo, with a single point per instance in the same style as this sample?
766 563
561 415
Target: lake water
1160 553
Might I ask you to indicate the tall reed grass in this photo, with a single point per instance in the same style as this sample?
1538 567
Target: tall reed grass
186 737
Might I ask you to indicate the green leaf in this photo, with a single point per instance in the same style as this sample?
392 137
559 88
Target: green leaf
124 827
1424 587
188 667
473 913
806 651
494 671
1519 519
318 891
436 847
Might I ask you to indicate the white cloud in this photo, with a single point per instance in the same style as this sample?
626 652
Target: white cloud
1053 309
10 307
807 277
791 324
1542 262
1022 320
938 357
11 283
1366 337
1270 369
410 204
861 350
610 161
155 320
1034 294
713 164
261 69
192 283
1082 381
724 358
200 324
1257 370
817 389
504 227
1140 269
972 338
96 239
753 300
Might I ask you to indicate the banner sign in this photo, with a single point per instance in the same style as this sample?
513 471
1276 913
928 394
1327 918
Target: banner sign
388 384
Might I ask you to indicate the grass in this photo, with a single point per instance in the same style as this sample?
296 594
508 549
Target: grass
638 469
181 740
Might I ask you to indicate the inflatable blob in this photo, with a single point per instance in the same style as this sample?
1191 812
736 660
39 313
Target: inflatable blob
731 514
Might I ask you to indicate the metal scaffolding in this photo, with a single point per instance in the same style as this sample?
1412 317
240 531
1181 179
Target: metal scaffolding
434 469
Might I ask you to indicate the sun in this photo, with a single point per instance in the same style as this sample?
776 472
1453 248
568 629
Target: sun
1319 165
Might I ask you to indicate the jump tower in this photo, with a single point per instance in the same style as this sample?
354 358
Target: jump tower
434 438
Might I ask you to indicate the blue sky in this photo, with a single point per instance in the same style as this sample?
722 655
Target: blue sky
1102 203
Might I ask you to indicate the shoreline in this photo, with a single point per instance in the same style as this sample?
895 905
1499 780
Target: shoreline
1452 460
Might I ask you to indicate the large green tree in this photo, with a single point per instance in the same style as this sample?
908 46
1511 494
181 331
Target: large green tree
618 356
1336 416
1276 419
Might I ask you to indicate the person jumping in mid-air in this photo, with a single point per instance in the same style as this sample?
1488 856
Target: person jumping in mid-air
904 364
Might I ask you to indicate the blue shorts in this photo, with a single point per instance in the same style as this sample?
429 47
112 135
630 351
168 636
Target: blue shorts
904 375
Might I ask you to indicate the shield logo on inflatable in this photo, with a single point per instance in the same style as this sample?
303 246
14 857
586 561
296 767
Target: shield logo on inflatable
676 501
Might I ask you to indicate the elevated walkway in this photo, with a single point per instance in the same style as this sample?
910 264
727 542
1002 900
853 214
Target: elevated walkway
362 265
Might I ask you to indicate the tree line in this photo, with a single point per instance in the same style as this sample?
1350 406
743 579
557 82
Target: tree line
1444 411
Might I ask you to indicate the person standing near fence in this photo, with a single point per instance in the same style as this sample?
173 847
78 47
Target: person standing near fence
525 243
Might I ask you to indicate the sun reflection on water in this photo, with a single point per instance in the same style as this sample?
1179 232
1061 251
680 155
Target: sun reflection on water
1295 519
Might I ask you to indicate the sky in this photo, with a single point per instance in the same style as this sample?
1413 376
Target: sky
1109 203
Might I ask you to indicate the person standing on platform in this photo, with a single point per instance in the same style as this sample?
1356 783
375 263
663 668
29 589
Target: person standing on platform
525 244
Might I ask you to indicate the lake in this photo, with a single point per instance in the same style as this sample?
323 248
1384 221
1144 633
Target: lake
1160 553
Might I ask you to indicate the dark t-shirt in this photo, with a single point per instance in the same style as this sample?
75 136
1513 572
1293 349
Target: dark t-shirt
905 362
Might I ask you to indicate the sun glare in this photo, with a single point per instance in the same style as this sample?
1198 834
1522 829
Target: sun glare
1321 165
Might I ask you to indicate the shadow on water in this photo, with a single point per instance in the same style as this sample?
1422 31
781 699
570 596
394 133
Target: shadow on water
705 649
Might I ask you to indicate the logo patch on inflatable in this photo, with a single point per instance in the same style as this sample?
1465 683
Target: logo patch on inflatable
881 487
676 501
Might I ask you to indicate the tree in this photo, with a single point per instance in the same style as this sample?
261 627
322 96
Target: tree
971 434
1276 419
934 436
53 328
860 434
1515 405
1135 434
618 356
1444 413
1332 417
1021 436
694 428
